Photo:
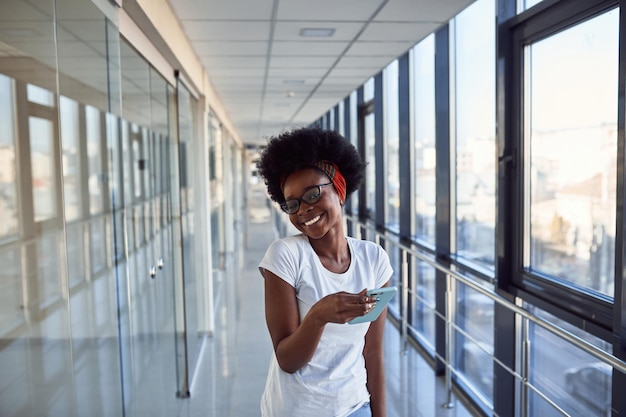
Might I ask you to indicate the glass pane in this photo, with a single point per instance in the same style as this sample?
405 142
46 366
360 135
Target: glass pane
572 141
475 132
188 141
76 253
114 161
94 158
11 296
368 90
341 127
526 4
36 371
8 157
423 303
370 169
70 133
42 164
392 144
474 347
568 376
353 206
424 139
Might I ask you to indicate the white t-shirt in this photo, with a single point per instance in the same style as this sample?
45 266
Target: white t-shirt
332 384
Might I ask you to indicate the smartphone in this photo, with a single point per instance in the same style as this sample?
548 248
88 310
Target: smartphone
383 295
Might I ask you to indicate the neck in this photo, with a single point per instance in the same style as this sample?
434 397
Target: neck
332 244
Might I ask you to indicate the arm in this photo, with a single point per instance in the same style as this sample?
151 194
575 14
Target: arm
375 366
295 340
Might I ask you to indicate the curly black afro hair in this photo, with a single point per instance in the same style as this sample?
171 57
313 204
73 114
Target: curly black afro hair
299 148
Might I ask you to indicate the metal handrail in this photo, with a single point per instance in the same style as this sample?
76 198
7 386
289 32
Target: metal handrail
578 342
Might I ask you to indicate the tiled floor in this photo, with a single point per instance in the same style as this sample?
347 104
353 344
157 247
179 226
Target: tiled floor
231 373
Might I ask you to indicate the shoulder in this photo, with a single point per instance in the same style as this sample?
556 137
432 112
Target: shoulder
285 246
293 241
367 246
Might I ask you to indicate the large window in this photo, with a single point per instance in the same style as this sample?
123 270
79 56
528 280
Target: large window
424 139
392 143
370 151
475 131
571 143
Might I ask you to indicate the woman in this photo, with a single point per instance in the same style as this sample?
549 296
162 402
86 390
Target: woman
315 283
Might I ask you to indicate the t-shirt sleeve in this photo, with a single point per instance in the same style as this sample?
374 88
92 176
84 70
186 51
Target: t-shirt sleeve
280 259
384 268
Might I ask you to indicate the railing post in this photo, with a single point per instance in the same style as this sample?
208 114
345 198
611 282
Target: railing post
525 365
448 373
404 300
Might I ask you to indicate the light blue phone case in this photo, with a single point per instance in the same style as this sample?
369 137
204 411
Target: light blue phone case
383 295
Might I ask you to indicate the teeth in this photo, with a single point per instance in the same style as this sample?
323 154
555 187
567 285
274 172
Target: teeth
313 220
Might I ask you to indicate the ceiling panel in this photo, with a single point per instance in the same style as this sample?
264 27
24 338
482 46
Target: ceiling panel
345 10
397 31
269 77
224 10
309 48
421 10
231 30
231 48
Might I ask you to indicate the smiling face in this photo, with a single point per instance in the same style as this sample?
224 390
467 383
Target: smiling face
317 219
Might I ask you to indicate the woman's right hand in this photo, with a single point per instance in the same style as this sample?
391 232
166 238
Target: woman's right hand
342 307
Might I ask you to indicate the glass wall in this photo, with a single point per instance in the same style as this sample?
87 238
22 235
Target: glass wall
60 342
90 205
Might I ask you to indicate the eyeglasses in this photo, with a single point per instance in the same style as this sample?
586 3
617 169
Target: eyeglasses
310 196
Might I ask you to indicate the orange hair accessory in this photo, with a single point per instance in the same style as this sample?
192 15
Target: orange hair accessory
339 182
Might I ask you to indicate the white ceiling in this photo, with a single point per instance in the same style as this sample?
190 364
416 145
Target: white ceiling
270 78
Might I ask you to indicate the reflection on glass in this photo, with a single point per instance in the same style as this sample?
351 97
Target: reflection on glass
75 253
94 157
392 143
192 287
41 133
8 178
98 244
48 269
573 148
475 133
114 160
70 133
571 378
11 297
424 139
39 95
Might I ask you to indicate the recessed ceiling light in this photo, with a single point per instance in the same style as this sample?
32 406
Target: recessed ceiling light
317 32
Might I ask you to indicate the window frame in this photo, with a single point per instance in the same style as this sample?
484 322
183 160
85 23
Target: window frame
582 308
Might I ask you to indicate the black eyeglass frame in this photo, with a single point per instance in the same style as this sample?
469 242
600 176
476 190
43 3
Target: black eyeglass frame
285 206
